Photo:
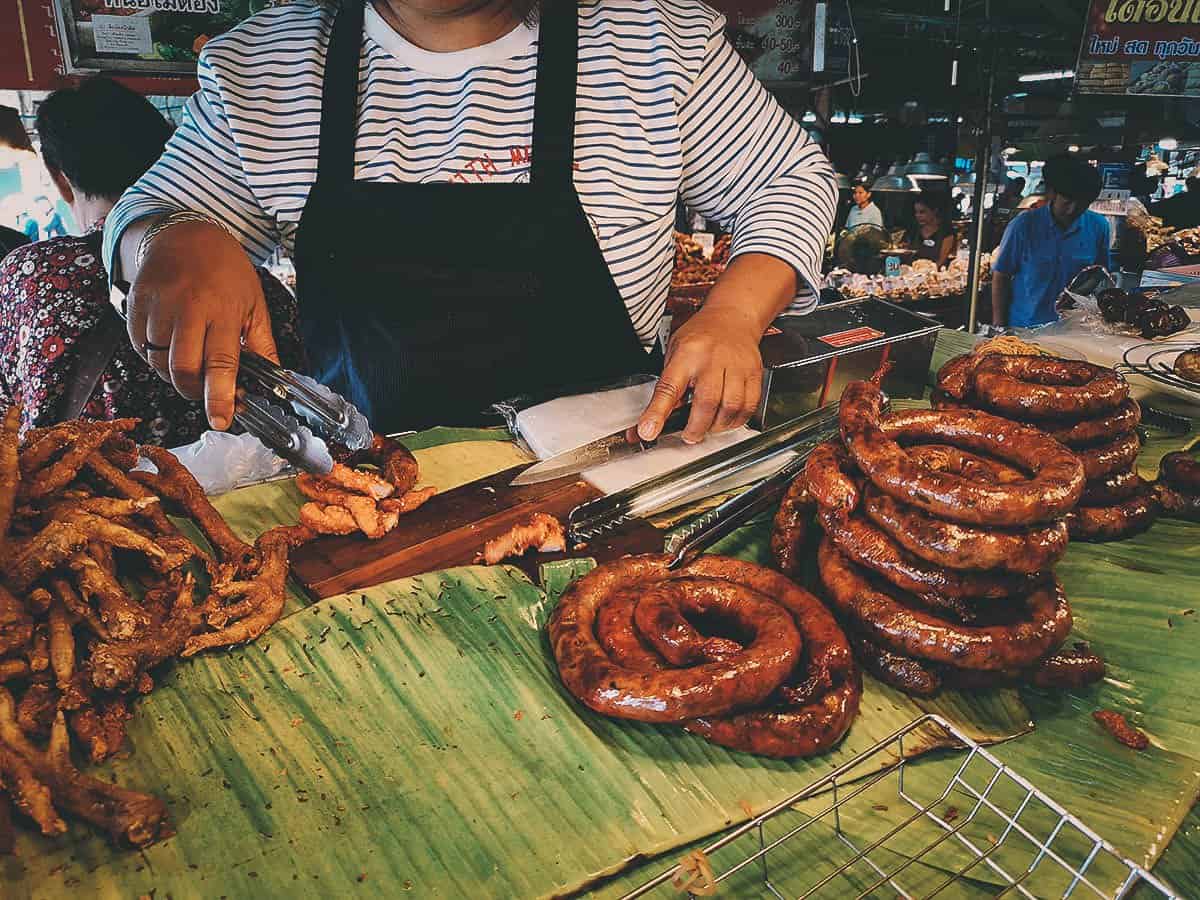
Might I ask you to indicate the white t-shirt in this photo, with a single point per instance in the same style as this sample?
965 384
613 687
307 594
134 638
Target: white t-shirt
665 108
867 215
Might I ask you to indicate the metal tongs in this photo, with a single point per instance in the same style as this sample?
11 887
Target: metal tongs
295 415
800 435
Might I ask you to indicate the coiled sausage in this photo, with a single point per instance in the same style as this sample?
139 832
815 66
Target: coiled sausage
1053 489
886 619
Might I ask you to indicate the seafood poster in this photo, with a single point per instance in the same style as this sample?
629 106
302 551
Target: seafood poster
1141 47
144 37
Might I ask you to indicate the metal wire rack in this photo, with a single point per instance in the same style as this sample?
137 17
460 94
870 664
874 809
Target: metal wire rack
1155 360
878 827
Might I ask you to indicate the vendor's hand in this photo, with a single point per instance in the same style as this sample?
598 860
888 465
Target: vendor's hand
197 294
716 354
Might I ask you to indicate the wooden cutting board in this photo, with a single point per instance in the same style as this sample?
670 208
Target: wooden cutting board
451 529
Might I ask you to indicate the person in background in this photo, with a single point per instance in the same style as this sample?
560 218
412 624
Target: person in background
28 224
863 212
1014 190
1045 248
62 345
931 236
52 223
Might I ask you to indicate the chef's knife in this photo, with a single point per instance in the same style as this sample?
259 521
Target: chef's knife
609 448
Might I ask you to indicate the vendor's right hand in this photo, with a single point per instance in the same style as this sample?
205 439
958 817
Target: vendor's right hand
197 293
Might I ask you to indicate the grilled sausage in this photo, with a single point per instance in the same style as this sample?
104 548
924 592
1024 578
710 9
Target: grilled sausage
889 620
1052 490
814 709
733 590
1117 522
1042 387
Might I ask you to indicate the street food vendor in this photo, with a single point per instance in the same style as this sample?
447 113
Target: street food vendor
931 235
1045 248
479 200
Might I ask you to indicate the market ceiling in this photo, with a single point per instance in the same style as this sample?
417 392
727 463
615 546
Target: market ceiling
908 46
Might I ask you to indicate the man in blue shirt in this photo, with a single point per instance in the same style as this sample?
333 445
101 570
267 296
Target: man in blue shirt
1045 248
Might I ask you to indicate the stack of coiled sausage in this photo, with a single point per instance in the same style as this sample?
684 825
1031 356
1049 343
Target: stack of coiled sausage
733 651
1085 407
941 531
1178 486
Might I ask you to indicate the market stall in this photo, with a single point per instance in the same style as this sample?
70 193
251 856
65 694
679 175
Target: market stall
419 729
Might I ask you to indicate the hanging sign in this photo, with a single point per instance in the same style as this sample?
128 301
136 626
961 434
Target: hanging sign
147 37
774 37
1141 47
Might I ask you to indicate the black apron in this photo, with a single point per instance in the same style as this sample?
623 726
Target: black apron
425 303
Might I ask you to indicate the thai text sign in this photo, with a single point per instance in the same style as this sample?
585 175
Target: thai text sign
1141 47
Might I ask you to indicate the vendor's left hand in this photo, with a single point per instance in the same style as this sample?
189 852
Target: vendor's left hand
715 353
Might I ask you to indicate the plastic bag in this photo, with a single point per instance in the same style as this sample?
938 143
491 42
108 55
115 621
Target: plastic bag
221 461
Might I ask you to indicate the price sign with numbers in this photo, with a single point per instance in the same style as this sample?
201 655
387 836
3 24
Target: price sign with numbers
773 36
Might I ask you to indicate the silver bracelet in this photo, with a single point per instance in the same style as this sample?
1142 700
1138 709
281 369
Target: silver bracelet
175 218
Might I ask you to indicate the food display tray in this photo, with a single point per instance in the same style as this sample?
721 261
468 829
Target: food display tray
809 359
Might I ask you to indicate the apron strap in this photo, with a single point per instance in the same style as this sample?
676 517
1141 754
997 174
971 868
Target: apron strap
554 101
339 94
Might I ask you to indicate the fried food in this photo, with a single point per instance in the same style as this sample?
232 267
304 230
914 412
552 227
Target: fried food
1118 726
61 540
16 626
29 794
123 617
327 519
127 816
117 664
93 596
540 531
262 599
101 729
354 481
408 501
174 482
124 486
395 462
10 471
62 472
349 499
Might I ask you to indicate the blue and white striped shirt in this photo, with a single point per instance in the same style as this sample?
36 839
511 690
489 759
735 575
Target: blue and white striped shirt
665 107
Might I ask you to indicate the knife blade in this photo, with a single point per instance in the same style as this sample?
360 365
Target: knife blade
610 448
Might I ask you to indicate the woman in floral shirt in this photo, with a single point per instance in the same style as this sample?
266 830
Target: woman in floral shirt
96 141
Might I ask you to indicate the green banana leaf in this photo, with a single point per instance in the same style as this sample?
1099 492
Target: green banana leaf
415 735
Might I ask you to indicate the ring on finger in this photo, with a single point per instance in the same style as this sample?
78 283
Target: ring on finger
148 347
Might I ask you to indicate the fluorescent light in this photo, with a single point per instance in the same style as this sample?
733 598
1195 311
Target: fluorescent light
1018 95
1074 148
1168 143
1054 75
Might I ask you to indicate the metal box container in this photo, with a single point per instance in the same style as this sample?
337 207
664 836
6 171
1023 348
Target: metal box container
808 360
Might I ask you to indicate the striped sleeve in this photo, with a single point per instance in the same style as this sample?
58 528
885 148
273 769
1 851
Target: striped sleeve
750 166
200 171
